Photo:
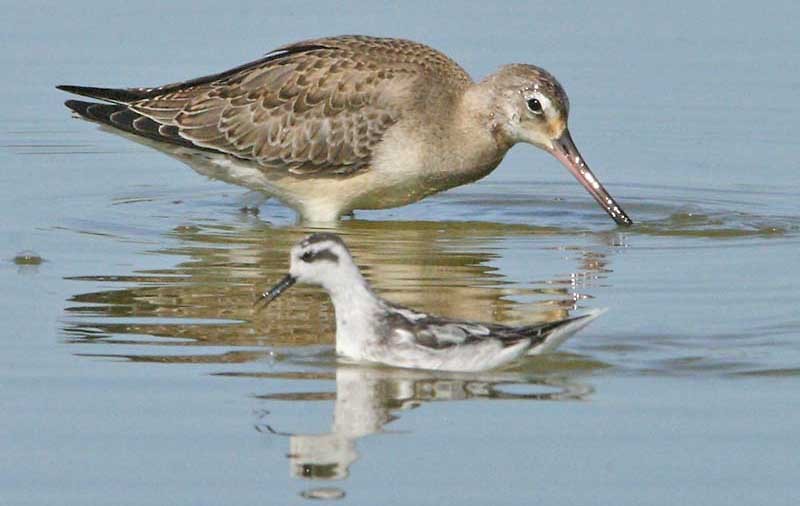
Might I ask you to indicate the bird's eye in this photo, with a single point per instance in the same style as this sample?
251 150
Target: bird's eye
306 257
535 105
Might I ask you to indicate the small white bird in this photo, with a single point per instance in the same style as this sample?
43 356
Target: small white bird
371 329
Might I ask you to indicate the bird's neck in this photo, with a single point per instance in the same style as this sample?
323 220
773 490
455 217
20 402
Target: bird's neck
355 306
465 148
480 102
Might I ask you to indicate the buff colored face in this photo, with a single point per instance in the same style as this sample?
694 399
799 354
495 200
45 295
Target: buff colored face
541 120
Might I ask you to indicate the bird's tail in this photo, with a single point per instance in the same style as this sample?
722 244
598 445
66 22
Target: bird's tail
114 95
563 331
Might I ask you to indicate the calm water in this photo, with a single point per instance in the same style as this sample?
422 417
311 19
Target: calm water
134 370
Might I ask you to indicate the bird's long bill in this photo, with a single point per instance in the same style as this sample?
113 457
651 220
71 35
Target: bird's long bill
567 153
274 292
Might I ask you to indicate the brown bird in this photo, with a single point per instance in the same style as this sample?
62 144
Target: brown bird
353 122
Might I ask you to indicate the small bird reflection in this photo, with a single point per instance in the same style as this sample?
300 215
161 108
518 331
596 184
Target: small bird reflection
368 398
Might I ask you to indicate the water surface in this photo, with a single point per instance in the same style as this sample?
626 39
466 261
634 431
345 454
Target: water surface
134 368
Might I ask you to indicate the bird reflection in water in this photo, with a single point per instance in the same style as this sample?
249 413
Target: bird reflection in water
443 268
368 398
205 300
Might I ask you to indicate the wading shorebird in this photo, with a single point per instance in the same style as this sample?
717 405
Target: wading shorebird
371 329
337 124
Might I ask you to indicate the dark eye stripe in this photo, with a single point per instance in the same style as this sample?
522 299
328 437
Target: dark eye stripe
323 254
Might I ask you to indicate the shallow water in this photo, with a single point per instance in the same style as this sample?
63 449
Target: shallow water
134 368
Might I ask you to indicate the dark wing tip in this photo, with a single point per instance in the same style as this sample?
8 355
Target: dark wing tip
116 95
539 332
79 107
121 117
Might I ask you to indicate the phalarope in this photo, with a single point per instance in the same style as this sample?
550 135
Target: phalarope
369 328
337 124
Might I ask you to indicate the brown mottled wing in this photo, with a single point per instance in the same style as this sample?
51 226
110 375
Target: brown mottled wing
316 107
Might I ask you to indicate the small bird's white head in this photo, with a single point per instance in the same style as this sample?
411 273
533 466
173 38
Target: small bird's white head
319 259
322 259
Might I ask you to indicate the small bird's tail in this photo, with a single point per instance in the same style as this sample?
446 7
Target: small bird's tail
564 331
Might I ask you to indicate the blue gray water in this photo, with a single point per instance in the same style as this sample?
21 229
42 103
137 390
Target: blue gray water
134 370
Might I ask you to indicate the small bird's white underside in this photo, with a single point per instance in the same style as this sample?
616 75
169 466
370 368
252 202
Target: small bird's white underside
473 357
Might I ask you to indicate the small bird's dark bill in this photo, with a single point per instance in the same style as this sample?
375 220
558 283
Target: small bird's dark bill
274 292
567 153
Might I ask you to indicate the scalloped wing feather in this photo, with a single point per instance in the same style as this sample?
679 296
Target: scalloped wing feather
317 111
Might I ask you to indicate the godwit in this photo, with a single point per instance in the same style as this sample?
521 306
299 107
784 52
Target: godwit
337 124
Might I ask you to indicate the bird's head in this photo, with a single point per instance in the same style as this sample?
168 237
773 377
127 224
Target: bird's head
319 259
530 105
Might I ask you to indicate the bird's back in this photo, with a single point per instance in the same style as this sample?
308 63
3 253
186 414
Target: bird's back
319 106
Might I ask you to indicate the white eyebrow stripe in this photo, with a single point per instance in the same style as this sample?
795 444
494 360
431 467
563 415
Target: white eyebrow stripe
546 103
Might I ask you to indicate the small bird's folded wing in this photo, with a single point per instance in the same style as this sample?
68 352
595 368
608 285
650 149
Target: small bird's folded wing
441 333
407 325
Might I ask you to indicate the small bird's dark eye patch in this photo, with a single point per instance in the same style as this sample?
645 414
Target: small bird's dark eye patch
323 254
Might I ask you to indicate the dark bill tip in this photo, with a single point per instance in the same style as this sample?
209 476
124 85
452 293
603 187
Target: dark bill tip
567 153
275 292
